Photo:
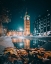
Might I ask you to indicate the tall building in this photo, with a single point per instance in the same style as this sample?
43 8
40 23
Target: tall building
26 24
42 25
25 32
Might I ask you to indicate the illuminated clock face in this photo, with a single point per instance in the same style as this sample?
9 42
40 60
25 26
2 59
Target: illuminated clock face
27 18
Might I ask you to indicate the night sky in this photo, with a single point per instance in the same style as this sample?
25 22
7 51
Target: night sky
16 9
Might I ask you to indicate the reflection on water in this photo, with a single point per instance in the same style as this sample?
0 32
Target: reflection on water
26 43
37 55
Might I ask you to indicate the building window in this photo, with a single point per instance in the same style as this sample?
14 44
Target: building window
48 28
44 29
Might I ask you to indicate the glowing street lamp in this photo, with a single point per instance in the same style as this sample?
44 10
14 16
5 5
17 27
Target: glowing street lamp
20 29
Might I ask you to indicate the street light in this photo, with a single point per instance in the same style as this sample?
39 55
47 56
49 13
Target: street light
20 29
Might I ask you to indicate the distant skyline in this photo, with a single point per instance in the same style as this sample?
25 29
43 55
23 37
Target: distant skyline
16 9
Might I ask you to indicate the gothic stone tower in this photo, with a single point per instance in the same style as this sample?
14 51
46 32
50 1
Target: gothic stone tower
26 24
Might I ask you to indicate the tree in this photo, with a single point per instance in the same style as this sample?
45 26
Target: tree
4 19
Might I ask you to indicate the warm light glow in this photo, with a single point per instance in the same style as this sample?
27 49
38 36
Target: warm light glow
14 40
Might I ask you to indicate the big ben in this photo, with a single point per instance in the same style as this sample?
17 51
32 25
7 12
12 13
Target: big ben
26 24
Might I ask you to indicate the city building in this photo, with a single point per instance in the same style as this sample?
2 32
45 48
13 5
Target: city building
42 25
26 24
26 30
3 30
15 33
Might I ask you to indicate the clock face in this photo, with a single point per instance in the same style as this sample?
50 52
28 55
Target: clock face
27 18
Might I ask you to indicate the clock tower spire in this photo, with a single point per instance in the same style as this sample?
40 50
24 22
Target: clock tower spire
26 24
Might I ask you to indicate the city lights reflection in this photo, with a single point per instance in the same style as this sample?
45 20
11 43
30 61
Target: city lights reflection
21 44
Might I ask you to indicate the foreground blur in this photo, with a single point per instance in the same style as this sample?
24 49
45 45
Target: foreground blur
25 56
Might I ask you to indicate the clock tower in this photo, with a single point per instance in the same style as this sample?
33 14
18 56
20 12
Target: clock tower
26 24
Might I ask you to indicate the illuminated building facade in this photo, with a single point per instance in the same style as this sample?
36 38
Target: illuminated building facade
15 33
42 25
3 30
26 24
24 32
19 40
